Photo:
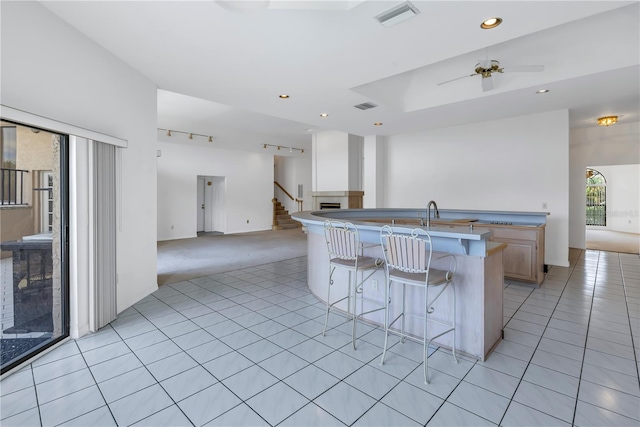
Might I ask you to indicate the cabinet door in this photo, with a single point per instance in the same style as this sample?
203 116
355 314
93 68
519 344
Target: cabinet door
519 259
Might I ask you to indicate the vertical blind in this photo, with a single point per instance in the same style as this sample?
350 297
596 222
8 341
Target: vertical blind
104 242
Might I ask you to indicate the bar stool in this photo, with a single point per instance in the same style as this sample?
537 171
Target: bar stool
346 252
408 261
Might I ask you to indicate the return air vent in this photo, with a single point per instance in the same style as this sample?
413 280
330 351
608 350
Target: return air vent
365 106
400 13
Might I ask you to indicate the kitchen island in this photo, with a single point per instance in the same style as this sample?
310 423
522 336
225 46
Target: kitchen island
478 281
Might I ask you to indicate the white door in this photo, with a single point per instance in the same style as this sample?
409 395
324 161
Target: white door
200 205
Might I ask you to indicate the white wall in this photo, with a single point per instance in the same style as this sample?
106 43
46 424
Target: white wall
50 69
623 197
514 164
248 188
337 161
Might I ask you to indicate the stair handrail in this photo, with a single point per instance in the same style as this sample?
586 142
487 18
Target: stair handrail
298 201
282 188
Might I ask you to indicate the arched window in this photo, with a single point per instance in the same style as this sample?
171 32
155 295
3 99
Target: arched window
596 198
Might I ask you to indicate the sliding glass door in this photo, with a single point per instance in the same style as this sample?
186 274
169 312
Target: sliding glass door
34 313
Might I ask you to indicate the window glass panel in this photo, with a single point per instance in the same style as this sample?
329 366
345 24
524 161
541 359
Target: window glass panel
34 310
8 146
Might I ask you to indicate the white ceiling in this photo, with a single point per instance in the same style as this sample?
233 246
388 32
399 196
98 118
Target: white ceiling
222 65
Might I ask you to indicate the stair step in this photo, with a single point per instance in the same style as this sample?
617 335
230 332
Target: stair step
283 216
286 226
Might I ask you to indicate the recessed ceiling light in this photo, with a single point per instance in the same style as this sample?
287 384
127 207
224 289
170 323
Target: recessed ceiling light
377 124
324 115
542 91
283 96
491 23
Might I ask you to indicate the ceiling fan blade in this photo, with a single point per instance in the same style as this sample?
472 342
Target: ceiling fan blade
487 84
457 78
524 68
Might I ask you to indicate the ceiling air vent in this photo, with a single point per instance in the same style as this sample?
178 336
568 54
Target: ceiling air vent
365 106
400 13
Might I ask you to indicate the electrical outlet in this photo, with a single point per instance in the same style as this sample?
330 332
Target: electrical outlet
544 205
374 284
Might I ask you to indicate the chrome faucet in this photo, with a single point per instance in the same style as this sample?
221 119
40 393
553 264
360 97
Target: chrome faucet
436 215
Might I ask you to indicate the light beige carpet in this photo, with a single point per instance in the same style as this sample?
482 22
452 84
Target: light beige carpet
209 253
613 241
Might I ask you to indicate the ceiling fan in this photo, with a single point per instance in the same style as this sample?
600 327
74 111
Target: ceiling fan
486 67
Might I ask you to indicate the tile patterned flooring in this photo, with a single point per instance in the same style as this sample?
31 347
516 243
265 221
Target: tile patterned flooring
244 348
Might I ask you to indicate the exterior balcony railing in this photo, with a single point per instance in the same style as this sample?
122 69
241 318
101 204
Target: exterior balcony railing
12 186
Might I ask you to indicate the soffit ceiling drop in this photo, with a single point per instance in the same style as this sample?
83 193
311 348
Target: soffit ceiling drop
330 56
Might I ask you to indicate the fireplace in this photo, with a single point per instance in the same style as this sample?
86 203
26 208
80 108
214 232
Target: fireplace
329 205
337 199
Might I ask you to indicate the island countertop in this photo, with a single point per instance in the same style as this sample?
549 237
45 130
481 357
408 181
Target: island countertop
478 281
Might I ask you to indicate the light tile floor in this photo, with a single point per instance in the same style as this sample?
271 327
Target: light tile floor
245 348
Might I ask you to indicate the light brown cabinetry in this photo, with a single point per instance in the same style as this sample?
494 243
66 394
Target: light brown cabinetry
523 257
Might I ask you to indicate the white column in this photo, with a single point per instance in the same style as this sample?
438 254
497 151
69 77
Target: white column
373 171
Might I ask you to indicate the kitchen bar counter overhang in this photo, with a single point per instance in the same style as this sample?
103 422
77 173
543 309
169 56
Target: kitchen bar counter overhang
479 279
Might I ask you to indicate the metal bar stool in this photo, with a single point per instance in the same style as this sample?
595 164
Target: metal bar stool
408 261
346 252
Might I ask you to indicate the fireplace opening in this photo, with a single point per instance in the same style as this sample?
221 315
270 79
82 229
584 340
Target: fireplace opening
327 205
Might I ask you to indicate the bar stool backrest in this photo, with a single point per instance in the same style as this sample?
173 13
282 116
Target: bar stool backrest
409 253
343 240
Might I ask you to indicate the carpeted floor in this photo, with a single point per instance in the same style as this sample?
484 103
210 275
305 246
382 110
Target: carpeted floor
208 254
613 241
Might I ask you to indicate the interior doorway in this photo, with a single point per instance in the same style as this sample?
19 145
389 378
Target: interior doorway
200 205
612 200
210 215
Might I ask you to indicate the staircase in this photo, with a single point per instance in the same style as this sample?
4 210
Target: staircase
281 218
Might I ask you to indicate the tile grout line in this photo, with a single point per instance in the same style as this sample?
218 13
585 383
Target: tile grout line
35 391
536 349
624 287
96 384
233 351
584 352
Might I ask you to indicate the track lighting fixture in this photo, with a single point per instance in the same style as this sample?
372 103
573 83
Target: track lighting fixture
280 147
190 135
